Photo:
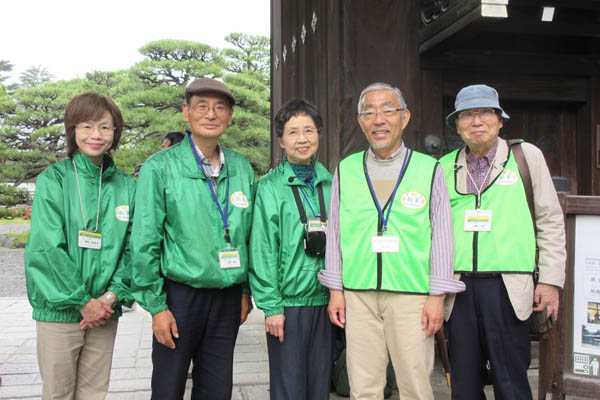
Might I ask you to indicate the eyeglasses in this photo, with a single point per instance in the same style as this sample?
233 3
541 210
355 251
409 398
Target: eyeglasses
87 128
295 134
486 114
387 113
203 108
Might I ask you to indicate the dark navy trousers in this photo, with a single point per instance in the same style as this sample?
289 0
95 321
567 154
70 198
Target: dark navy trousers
300 367
208 321
483 326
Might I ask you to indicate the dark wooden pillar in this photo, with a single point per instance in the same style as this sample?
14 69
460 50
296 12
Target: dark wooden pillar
353 43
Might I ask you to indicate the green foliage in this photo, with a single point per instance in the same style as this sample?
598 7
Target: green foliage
150 95
5 66
251 54
35 75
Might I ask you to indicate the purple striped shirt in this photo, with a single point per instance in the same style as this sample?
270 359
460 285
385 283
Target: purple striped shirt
442 247
479 169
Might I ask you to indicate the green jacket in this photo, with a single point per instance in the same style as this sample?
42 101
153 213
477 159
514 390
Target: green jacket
177 230
281 273
61 276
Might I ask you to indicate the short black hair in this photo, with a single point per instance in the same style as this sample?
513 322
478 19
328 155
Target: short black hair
174 137
293 108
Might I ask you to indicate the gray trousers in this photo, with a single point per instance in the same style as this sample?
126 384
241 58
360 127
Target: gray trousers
300 367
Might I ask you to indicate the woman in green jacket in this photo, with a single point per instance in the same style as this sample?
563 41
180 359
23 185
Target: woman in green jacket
287 246
76 259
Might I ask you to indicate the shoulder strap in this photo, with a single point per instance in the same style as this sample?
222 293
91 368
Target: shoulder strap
517 150
323 210
301 210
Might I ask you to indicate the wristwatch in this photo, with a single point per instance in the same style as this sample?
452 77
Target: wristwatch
110 298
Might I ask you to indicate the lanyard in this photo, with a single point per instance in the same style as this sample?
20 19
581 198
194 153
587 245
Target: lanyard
312 210
385 219
478 188
323 211
225 214
81 198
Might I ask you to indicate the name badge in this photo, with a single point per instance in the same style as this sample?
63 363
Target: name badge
315 225
229 258
385 244
478 220
90 240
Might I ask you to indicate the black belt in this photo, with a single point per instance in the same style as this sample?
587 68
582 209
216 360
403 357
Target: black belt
482 274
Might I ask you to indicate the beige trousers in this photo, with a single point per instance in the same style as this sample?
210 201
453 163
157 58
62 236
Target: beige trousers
74 363
378 323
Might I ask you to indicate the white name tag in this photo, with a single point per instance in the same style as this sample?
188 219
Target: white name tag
229 258
385 244
90 240
315 225
478 220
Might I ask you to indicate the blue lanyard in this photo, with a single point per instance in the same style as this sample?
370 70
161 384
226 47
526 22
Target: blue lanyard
308 202
225 214
384 220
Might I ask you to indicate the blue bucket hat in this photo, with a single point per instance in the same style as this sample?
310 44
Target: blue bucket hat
475 96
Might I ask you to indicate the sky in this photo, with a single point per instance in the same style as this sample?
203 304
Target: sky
71 37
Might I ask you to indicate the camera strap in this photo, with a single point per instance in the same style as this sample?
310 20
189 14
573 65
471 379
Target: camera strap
302 211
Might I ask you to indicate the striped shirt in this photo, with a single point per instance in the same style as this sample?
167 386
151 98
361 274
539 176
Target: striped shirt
442 249
479 169
212 173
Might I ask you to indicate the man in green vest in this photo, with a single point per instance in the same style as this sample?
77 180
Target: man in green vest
496 237
189 249
389 252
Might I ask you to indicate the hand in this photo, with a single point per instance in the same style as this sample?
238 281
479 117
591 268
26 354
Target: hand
163 326
245 308
337 308
85 324
274 325
432 316
546 297
94 314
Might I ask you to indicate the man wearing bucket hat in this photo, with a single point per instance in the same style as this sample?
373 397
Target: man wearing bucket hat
495 238
189 249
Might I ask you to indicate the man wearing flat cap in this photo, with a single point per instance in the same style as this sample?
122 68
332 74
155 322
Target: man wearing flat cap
189 244
496 230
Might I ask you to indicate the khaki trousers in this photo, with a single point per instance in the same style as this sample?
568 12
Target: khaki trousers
74 363
378 323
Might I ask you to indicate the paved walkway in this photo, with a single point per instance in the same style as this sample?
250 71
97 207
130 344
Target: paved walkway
132 365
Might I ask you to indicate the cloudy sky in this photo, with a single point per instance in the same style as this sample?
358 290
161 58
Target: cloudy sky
72 37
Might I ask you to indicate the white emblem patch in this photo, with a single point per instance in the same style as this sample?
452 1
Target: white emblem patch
413 200
122 213
507 177
238 199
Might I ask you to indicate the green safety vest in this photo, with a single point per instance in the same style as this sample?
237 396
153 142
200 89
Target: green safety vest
510 245
407 270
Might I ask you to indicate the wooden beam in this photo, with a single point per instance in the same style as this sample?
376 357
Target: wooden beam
491 60
451 17
529 25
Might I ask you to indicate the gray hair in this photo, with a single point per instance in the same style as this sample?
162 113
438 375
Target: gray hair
380 86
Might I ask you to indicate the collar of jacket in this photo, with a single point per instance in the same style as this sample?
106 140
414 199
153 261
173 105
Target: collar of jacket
190 167
290 178
86 167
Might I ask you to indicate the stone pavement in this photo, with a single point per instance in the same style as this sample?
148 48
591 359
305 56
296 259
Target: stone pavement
132 365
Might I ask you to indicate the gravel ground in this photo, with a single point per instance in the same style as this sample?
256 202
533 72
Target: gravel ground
12 273
13 228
